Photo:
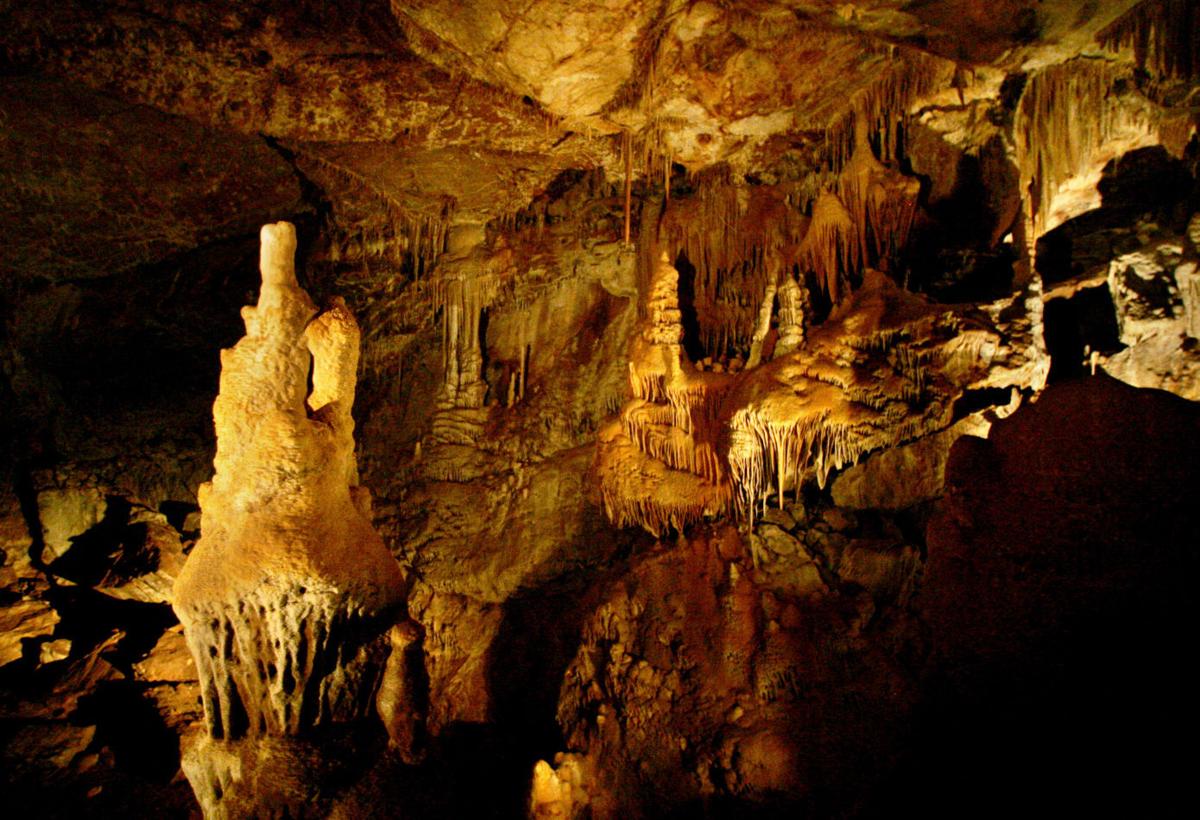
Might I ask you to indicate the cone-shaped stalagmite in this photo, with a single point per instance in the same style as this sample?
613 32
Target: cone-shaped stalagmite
288 597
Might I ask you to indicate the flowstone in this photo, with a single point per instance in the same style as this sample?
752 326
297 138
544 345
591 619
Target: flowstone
289 596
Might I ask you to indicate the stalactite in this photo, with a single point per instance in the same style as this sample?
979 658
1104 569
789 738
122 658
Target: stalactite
1164 36
901 83
627 150
1068 113
831 247
416 235
882 202
462 300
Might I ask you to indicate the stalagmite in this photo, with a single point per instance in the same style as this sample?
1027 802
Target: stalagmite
763 325
657 463
792 315
288 597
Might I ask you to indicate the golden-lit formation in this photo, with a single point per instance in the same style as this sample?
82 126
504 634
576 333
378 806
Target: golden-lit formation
287 599
886 367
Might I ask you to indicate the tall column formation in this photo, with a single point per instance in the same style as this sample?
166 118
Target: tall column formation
289 595
467 288
657 464
462 347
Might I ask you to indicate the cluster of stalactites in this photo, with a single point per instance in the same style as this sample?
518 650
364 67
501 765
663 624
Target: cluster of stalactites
1067 115
881 201
636 492
729 234
402 238
831 248
399 242
1163 35
864 224
280 665
766 454
747 242
462 348
880 108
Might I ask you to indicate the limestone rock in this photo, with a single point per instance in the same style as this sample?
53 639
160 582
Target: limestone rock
1155 294
1166 361
168 673
67 514
52 651
781 518
151 559
888 571
694 678
459 632
24 620
900 477
287 598
560 791
168 661
15 543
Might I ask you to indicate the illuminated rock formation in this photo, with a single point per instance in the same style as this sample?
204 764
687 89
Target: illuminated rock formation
288 597
884 369
881 200
657 464
831 248
792 316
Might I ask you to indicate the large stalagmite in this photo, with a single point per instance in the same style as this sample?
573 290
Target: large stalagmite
288 597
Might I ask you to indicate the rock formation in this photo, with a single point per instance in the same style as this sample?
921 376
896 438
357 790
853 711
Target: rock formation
288 597
762 404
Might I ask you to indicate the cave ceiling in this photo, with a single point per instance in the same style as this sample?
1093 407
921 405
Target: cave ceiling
445 108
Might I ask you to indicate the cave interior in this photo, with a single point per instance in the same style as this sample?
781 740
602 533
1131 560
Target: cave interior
624 409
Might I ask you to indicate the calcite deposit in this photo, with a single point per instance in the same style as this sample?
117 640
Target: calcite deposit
628 410
288 596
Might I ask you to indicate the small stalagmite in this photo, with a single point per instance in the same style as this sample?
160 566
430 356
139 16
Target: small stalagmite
289 596
792 316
